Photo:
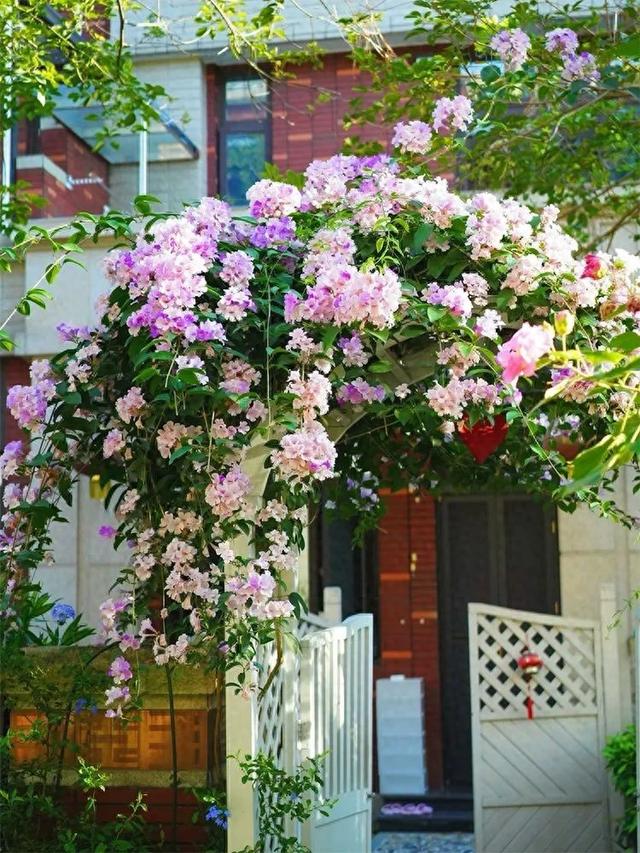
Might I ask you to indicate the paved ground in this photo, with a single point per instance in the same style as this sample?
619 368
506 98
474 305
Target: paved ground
423 842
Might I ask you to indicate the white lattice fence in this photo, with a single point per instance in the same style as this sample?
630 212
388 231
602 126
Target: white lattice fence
278 709
538 784
566 683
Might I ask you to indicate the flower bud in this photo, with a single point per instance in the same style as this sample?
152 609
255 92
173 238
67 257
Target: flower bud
593 267
564 321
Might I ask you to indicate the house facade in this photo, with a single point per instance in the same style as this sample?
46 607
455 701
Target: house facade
431 556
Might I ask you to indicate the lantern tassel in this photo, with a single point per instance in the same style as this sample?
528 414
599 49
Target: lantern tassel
529 704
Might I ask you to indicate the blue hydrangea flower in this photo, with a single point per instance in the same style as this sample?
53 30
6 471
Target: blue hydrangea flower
82 704
219 816
61 613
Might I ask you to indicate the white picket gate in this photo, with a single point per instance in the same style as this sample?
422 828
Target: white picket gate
319 702
539 784
336 720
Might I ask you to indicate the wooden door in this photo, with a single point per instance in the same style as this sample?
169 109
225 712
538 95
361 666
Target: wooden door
494 549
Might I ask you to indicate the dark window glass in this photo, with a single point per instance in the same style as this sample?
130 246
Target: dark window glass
244 136
244 157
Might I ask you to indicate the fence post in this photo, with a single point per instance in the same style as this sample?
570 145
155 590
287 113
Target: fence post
610 661
241 714
636 710
241 728
610 688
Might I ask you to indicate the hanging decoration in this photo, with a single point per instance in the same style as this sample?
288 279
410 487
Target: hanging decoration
484 437
529 664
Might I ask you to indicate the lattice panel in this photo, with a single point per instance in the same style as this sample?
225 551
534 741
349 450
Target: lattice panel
270 706
271 710
279 707
566 683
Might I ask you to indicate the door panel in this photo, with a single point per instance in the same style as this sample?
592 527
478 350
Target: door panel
530 559
466 541
493 549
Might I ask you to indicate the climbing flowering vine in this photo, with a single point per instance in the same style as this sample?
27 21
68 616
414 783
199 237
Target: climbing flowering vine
365 327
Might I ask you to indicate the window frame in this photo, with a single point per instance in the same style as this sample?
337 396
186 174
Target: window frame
228 127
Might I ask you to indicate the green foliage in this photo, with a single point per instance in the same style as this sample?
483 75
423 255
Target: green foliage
620 755
33 812
282 798
51 49
217 834
536 136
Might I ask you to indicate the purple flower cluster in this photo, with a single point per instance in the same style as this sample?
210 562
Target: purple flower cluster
575 66
28 403
360 391
218 816
413 137
274 232
269 199
451 296
512 46
451 114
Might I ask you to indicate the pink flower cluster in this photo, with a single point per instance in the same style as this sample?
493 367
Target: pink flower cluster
344 295
11 458
273 199
452 114
306 453
519 356
451 296
311 394
238 376
227 493
450 400
130 406
28 403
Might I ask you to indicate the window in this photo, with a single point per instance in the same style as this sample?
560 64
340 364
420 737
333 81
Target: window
245 136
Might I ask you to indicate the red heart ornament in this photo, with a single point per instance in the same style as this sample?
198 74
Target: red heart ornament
484 437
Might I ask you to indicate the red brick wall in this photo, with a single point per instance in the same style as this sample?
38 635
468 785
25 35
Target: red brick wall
117 800
304 129
75 158
408 617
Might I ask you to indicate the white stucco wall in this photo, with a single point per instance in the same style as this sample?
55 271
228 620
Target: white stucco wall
174 182
594 551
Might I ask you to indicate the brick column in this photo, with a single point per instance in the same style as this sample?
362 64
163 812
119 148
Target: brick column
408 624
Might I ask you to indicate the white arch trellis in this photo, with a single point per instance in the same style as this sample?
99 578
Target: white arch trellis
249 727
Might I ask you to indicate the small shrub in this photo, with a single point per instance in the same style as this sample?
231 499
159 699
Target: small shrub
620 755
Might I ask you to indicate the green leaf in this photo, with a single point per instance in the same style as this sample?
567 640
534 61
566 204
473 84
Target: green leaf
626 342
629 47
380 366
181 451
421 235
490 73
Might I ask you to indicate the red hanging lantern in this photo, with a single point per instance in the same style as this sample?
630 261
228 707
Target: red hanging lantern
529 664
484 437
